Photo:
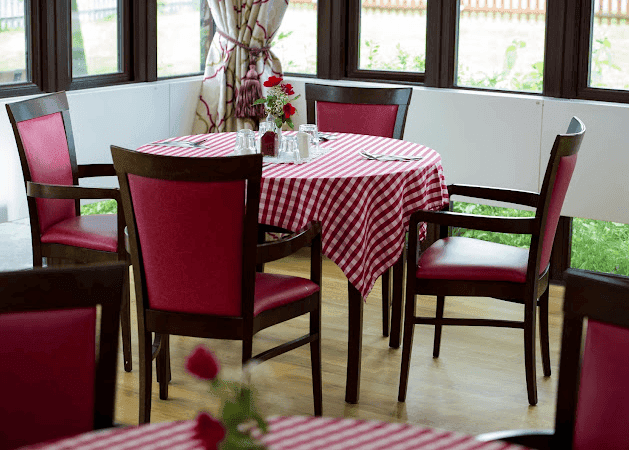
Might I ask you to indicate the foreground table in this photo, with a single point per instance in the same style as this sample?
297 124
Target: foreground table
294 433
363 206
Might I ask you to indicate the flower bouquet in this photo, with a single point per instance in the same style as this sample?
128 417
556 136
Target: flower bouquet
278 102
238 410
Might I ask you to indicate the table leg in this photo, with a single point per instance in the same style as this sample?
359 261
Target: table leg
396 303
355 343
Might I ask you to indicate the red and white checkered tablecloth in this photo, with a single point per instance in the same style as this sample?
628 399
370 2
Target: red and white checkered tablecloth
285 433
363 205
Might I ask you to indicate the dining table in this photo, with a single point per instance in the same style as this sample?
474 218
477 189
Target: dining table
363 205
284 433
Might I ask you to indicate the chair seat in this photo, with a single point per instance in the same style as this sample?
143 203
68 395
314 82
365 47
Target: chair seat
273 290
96 232
461 258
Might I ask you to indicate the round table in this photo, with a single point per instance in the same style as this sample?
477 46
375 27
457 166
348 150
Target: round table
285 433
363 206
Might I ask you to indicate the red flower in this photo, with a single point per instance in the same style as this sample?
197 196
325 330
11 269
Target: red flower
289 110
288 89
209 431
202 363
272 81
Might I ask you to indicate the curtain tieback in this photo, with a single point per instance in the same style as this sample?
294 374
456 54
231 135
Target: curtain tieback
250 88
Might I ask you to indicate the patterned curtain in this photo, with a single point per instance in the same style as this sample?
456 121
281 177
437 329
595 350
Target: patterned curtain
238 62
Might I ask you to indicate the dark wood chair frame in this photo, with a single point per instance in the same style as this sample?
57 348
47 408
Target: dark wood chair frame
244 327
533 292
596 296
372 96
44 289
57 254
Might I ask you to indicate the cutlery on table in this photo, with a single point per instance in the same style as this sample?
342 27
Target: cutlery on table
381 157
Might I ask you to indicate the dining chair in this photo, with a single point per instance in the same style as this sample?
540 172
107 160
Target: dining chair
593 386
57 364
370 111
193 230
463 266
59 233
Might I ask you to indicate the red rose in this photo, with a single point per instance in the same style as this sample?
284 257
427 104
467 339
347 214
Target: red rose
273 81
209 431
289 110
288 89
202 363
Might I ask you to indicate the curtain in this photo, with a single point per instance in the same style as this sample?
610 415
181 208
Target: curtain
238 62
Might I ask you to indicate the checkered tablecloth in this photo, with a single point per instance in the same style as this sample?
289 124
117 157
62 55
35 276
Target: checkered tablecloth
285 433
363 205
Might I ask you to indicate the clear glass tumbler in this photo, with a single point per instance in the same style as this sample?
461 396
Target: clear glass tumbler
245 142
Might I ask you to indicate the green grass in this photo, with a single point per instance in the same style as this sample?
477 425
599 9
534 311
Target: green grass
596 245
104 207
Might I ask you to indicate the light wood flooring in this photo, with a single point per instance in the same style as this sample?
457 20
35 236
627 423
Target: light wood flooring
476 385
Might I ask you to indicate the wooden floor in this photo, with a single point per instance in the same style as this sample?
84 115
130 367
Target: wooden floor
476 385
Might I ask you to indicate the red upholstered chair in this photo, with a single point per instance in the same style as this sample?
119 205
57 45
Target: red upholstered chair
193 231
43 133
375 112
58 376
593 386
470 267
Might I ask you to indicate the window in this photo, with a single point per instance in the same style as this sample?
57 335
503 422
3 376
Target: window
183 36
393 36
295 43
96 37
609 45
13 42
501 44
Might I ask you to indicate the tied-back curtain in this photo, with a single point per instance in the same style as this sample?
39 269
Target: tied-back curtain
238 62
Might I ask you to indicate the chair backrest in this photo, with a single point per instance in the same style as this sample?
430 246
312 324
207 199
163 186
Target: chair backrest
193 230
371 111
57 380
563 159
593 389
43 134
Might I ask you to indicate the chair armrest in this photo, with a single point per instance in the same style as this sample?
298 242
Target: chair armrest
96 170
516 225
274 250
538 439
527 198
39 190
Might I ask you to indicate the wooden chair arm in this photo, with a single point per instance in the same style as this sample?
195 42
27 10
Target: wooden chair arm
96 170
39 190
272 229
516 225
281 248
498 194
538 439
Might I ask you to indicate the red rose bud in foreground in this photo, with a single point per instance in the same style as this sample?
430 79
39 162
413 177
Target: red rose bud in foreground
209 431
288 89
289 110
202 363
272 81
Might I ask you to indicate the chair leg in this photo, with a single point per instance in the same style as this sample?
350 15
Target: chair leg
439 315
543 332
407 346
247 348
146 377
315 360
529 350
125 323
386 301
162 363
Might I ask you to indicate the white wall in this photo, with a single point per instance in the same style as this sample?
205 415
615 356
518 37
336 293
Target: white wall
484 138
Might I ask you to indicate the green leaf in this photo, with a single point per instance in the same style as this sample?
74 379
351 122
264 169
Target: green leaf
289 121
233 414
259 101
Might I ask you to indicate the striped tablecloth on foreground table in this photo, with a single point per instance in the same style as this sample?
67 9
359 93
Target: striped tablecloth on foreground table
285 433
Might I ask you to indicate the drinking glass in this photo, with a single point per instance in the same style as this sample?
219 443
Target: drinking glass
311 130
289 150
245 142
